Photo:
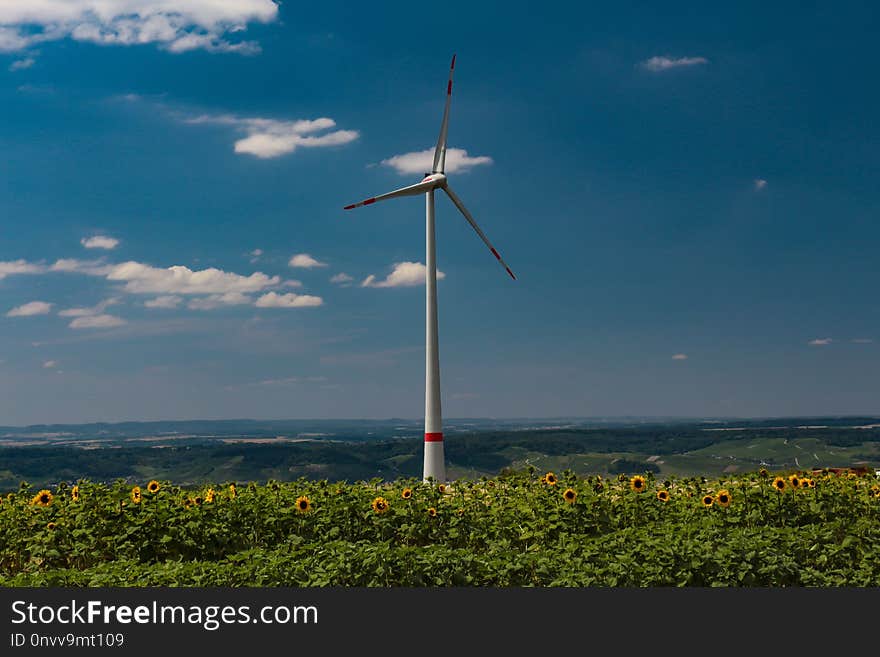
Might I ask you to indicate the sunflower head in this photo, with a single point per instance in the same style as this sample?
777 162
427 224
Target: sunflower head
197 500
43 498
153 487
209 496
708 500
432 512
406 493
723 498
793 481
811 483
74 493
763 473
50 526
570 495
232 491
380 504
549 479
663 495
638 483
136 494
779 484
303 504
441 488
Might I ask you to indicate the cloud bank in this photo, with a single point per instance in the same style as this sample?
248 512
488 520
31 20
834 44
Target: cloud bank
175 26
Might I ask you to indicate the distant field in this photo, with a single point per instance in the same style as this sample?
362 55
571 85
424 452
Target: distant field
663 449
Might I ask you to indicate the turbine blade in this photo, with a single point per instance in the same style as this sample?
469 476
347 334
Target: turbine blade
470 219
412 190
440 150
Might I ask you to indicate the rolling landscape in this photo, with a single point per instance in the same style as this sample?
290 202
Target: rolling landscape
189 453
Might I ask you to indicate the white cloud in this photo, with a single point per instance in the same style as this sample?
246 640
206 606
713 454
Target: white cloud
21 64
174 26
305 261
30 309
292 283
96 321
49 364
679 357
145 279
289 300
86 312
457 159
89 267
167 301
341 278
99 242
268 138
404 274
255 255
219 300
820 342
664 63
10 267
760 184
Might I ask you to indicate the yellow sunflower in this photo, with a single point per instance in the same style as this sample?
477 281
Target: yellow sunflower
763 473
74 493
406 494
812 483
153 487
432 512
807 483
663 495
793 481
638 483
232 491
43 498
723 498
303 504
136 494
570 495
380 504
549 479
441 488
708 500
779 484
209 496
50 526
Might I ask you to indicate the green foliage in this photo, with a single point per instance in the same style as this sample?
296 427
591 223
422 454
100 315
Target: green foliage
518 529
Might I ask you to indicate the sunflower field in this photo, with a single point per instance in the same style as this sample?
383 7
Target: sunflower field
516 529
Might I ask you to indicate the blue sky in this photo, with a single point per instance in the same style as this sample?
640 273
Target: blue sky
687 193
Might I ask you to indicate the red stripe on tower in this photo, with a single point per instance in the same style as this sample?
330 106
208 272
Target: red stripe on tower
434 437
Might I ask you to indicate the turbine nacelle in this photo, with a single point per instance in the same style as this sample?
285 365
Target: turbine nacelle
439 179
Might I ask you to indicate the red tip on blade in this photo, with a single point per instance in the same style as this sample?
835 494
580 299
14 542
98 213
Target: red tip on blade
369 201
453 62
348 207
495 253
449 88
511 273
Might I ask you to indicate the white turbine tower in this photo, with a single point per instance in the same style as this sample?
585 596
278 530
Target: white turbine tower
434 464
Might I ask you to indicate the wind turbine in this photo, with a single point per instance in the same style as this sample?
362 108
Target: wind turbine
434 464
